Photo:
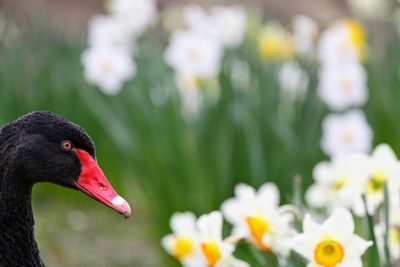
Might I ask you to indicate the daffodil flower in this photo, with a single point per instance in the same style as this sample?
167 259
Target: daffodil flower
339 183
183 242
384 168
332 243
215 251
256 216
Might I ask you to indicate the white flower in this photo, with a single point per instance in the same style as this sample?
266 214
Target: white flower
191 95
345 133
305 31
256 216
332 243
108 67
339 183
183 242
224 23
384 167
370 8
293 80
194 53
343 86
342 43
393 233
216 252
107 31
136 15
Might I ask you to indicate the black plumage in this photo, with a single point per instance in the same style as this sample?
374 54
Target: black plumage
30 152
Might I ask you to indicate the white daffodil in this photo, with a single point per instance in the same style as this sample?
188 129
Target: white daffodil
215 251
370 8
194 53
393 232
107 31
305 31
339 183
226 24
343 86
384 167
346 133
183 242
190 93
256 216
332 243
135 15
293 80
108 67
342 43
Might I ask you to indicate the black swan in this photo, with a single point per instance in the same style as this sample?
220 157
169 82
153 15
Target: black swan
43 147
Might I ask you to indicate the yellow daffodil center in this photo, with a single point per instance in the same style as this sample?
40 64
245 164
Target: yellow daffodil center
376 183
258 228
276 44
394 235
339 183
328 253
184 246
212 252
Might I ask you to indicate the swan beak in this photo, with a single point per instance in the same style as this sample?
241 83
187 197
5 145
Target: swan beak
94 183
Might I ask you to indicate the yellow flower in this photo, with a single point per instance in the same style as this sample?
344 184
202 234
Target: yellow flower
358 37
275 43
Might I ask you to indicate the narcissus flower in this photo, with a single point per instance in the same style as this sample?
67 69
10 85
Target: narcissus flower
226 24
108 67
393 231
256 216
346 133
135 15
343 86
107 31
215 251
194 53
305 31
344 42
339 183
183 242
275 43
293 81
384 167
331 244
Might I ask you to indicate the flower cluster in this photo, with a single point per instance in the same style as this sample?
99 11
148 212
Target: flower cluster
195 52
108 62
257 218
343 85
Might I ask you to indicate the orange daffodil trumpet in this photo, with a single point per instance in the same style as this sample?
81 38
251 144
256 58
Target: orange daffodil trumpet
332 243
256 216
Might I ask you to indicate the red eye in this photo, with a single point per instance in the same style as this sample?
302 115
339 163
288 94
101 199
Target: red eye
66 145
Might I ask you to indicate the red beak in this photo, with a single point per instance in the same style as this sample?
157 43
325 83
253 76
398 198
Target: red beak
94 183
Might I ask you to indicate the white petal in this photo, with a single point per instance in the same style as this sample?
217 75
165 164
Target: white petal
168 243
310 226
183 223
210 225
231 210
269 194
303 245
357 245
340 223
244 191
317 196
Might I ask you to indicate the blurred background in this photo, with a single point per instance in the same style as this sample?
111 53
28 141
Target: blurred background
155 154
